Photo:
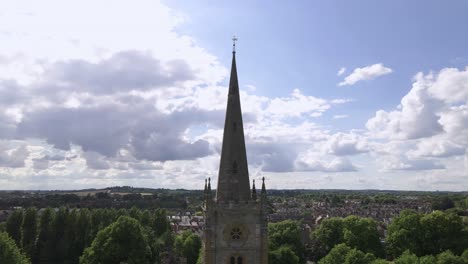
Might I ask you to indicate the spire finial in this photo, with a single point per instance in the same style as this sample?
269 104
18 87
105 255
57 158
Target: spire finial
234 39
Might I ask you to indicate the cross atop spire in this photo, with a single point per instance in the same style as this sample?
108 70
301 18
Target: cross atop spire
234 39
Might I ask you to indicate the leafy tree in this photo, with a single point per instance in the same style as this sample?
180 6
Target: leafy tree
145 219
83 235
121 242
428 234
407 258
9 252
71 233
13 226
464 255
380 261
327 235
443 231
356 232
427 260
356 256
160 223
44 248
342 253
443 203
286 233
361 233
188 245
59 240
96 221
283 255
135 213
448 257
405 233
28 231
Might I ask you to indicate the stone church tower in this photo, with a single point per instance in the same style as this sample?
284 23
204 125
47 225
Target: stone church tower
235 219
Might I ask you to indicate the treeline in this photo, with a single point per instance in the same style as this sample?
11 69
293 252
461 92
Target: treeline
166 200
97 236
411 238
109 236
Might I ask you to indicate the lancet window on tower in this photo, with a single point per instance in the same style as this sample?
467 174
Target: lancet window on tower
233 260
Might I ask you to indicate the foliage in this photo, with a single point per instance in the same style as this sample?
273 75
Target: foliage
442 203
283 255
446 257
342 253
28 231
120 242
407 258
44 248
160 224
355 232
50 237
428 234
13 226
327 235
443 231
9 252
361 233
188 245
286 233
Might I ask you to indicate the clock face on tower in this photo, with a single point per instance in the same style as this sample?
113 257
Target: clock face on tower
235 233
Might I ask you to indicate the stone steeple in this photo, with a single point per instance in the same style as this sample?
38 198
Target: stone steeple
236 221
233 178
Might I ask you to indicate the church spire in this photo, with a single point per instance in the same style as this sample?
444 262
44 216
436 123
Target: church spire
233 179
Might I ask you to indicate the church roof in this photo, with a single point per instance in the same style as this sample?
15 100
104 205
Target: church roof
233 178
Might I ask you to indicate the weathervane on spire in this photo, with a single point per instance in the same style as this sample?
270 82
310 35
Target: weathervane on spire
234 39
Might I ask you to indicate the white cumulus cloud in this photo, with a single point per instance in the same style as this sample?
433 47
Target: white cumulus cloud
365 73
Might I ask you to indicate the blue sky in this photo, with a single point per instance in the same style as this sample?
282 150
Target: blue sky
335 94
303 44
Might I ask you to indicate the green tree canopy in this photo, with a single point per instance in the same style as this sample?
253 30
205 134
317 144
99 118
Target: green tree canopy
160 222
44 248
447 257
283 255
286 233
29 231
441 232
327 235
13 226
428 234
121 242
344 254
9 252
361 233
355 232
188 245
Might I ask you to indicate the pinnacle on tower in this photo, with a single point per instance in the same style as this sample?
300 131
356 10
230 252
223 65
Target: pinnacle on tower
263 188
254 191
